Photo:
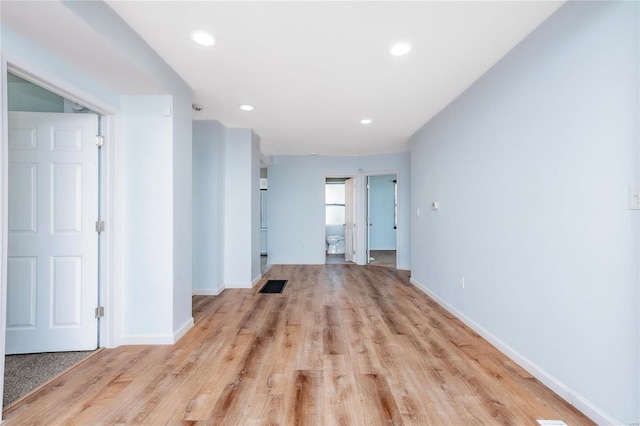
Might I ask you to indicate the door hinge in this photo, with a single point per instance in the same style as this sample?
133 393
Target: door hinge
99 140
99 311
100 226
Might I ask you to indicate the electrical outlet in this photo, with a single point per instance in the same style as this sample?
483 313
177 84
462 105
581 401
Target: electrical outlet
462 282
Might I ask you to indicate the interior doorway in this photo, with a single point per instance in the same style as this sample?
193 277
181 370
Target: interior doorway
53 206
382 219
340 213
264 223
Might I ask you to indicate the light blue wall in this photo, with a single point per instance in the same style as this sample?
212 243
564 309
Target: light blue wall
242 209
208 158
226 207
148 208
17 48
382 235
102 19
297 203
531 166
168 159
182 208
255 207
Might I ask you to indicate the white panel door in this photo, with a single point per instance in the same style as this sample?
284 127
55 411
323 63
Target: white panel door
349 225
52 279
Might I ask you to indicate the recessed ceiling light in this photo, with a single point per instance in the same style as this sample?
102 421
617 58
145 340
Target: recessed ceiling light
246 107
400 49
366 121
203 38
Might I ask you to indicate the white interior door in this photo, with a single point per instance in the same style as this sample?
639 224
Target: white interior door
349 218
52 282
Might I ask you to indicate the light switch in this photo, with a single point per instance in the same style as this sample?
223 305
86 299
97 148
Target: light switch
634 196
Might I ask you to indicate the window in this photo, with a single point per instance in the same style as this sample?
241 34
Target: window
334 203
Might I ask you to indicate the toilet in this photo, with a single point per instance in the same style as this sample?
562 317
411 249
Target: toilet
335 244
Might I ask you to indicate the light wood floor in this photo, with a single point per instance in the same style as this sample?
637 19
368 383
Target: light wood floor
342 345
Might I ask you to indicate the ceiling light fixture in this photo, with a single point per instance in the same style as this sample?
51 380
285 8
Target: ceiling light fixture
366 121
400 49
203 38
246 107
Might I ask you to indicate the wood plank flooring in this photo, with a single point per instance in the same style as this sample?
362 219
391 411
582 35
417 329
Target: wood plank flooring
343 345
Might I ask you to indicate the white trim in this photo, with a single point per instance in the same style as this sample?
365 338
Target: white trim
288 262
177 335
110 327
357 210
54 84
565 392
362 260
205 292
110 244
158 339
4 225
256 280
147 339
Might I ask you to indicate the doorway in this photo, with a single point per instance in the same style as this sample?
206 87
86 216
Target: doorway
340 209
53 205
264 224
382 219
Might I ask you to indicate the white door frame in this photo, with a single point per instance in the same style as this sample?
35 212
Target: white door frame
363 239
110 266
356 201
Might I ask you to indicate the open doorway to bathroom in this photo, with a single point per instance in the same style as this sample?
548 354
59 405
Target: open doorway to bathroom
340 219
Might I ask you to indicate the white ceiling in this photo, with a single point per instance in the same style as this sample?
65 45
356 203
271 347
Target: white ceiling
54 27
313 70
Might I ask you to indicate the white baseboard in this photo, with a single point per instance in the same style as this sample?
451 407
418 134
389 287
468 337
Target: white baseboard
565 392
158 339
205 292
177 335
288 262
256 280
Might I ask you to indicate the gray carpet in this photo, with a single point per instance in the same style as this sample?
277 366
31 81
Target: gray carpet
23 373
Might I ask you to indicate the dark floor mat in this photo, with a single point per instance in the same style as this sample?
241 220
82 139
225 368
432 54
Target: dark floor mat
273 286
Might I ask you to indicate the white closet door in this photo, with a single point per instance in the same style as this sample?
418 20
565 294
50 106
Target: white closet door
52 282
